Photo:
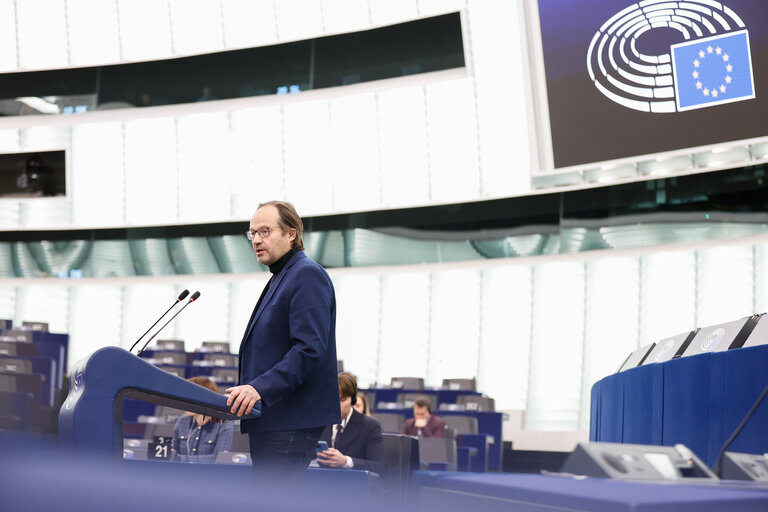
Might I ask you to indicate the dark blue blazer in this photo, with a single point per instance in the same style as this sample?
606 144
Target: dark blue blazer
288 352
361 440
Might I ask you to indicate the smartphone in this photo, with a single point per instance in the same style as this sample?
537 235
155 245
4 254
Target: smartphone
321 446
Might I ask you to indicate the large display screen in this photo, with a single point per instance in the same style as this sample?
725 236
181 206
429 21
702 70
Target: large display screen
627 78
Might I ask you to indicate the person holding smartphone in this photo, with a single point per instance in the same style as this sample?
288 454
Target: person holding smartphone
356 442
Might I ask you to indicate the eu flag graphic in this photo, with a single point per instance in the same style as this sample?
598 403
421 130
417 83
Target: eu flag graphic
713 70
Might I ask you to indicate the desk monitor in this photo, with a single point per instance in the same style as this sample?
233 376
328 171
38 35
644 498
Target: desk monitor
637 357
670 348
717 338
759 335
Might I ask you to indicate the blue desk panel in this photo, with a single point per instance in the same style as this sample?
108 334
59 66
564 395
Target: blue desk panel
697 401
504 492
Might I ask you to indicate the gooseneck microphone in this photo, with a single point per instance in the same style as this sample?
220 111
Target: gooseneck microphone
192 299
718 467
182 296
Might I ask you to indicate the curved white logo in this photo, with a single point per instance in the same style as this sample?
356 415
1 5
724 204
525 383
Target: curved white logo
712 66
662 355
712 340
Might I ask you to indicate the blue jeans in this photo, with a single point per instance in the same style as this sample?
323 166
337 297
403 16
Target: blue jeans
283 456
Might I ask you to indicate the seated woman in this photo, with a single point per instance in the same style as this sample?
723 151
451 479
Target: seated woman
361 405
197 438
357 442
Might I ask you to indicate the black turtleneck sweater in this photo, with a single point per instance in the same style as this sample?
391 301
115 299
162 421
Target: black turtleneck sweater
275 268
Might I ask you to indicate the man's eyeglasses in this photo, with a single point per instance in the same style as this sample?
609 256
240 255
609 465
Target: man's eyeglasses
262 233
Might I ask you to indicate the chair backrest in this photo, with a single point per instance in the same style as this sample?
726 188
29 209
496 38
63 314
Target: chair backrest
8 348
216 346
165 414
401 457
391 422
407 399
437 449
477 403
460 384
170 357
461 424
36 326
233 458
416 383
339 366
22 335
240 441
221 359
15 365
158 429
224 375
7 383
170 345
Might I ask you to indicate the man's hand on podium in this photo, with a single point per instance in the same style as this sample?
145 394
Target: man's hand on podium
242 399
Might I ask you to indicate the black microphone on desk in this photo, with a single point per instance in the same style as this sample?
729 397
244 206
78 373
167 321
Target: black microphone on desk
182 296
718 467
192 299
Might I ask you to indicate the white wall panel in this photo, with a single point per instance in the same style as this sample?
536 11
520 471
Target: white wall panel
151 186
196 26
403 349
345 16
724 284
95 319
307 140
44 138
42 34
355 153
452 142
40 303
8 56
403 139
437 7
298 19
249 22
557 343
145 29
389 12
206 318
668 292
454 325
497 59
142 305
205 167
760 278
10 140
357 325
97 188
93 32
505 324
257 158
8 302
612 307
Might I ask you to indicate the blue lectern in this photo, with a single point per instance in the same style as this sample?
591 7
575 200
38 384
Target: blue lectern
92 415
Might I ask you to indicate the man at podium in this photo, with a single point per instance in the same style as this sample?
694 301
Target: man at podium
288 353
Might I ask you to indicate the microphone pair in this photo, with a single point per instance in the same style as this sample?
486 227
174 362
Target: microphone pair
182 296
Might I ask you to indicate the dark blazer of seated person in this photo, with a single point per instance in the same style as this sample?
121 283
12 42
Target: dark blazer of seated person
359 443
424 423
